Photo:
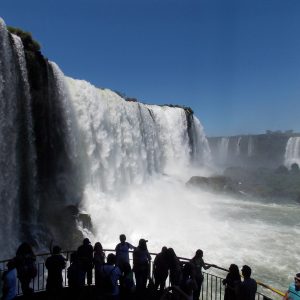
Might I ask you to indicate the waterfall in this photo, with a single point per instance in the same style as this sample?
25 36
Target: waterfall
223 149
292 151
19 211
250 148
238 146
67 147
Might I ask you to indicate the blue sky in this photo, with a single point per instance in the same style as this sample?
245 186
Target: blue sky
235 62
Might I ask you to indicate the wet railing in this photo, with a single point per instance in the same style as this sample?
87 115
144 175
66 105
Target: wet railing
212 287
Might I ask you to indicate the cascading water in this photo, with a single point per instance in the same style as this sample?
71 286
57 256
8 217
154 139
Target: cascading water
238 146
250 147
292 151
223 149
126 165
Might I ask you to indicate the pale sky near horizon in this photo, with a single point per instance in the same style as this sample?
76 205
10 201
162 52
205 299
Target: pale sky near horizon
236 63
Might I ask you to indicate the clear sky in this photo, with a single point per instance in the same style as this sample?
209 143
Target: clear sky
235 62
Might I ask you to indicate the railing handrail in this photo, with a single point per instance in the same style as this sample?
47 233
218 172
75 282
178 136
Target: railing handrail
274 290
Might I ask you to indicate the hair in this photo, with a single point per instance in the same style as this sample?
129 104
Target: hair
246 271
56 250
234 270
98 247
122 237
111 259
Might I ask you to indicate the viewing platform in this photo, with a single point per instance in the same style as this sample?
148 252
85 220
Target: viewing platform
212 287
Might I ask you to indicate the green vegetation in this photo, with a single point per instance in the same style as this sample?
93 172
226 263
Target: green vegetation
29 43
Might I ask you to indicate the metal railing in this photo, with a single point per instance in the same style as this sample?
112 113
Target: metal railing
212 287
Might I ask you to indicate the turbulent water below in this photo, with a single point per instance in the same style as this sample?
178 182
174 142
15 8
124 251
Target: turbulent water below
262 235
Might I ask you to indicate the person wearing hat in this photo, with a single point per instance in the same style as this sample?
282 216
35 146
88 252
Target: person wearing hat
293 292
85 258
141 266
55 264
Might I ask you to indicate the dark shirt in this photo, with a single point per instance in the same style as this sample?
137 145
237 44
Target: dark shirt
55 264
247 289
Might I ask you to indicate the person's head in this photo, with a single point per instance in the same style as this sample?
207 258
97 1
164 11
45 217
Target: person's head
56 250
187 270
246 271
164 250
143 244
234 270
122 238
86 241
199 253
98 247
111 259
297 281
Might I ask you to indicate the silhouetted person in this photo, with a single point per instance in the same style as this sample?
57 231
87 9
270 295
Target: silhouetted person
99 261
188 283
110 274
85 256
122 251
293 292
127 286
9 278
232 282
248 287
198 264
76 277
26 268
174 267
141 266
55 264
160 269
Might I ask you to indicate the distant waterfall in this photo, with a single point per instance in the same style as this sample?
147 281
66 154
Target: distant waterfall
250 148
292 151
238 146
223 149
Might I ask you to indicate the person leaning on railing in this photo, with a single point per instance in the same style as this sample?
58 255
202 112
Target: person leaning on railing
293 292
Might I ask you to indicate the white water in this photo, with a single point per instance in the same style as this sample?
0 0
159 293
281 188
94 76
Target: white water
292 151
135 184
8 136
238 146
250 149
223 149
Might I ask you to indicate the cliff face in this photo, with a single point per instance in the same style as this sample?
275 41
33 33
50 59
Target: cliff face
264 150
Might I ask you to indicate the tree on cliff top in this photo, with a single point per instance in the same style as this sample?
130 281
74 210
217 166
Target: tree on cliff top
26 37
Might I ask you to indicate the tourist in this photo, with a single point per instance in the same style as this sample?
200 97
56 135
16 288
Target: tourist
122 251
293 292
110 274
55 264
9 278
188 283
198 264
141 266
248 287
99 260
232 283
26 268
76 276
174 267
160 269
85 256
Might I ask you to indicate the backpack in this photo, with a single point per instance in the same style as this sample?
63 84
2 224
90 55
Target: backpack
107 283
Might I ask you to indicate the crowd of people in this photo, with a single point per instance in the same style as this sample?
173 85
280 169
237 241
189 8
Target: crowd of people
115 278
